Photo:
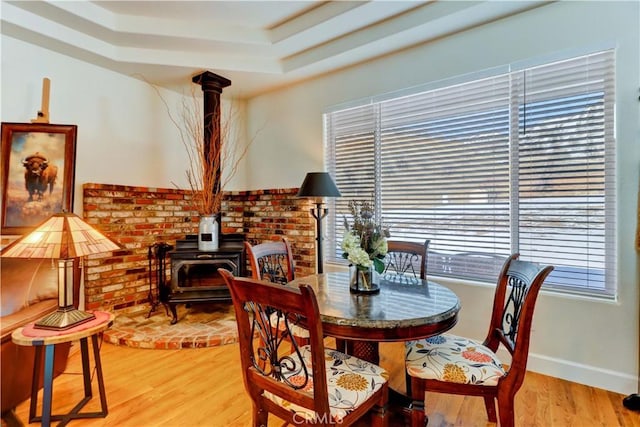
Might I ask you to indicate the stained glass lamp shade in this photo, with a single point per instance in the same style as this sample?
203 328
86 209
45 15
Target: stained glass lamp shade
64 236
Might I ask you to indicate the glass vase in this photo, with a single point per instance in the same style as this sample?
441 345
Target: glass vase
362 280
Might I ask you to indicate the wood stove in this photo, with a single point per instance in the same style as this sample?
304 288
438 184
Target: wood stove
194 273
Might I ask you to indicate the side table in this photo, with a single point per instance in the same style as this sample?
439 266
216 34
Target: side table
47 339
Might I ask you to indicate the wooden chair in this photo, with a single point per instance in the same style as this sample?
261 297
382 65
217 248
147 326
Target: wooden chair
450 364
405 259
271 261
310 385
405 263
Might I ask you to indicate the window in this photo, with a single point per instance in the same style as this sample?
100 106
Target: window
518 162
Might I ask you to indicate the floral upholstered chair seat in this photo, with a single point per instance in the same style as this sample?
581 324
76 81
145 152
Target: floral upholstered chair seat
350 382
452 358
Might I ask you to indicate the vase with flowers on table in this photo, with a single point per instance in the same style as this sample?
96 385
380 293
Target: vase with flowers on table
364 245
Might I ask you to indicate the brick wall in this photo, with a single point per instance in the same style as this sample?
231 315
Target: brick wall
269 215
137 217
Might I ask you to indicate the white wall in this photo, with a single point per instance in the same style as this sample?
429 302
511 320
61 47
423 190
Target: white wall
579 339
124 137
124 134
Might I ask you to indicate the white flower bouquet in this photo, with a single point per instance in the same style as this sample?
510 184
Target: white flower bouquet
365 241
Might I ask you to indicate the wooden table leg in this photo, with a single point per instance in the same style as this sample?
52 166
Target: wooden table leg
86 367
103 395
400 404
365 350
48 385
88 392
35 379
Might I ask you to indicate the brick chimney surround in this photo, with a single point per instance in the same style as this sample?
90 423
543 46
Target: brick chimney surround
138 217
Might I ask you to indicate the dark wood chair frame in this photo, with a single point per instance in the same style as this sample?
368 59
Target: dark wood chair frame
272 261
402 256
263 359
510 326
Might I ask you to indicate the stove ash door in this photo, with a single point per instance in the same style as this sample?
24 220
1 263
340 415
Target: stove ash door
189 275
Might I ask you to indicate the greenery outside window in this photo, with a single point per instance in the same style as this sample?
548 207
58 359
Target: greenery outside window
523 161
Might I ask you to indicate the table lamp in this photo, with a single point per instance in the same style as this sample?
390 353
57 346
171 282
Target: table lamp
318 185
64 236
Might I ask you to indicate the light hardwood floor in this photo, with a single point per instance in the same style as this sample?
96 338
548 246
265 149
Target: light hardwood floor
203 387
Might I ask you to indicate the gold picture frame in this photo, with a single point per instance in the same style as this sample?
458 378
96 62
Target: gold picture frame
38 172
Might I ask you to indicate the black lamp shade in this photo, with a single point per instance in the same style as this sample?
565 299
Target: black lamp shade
318 184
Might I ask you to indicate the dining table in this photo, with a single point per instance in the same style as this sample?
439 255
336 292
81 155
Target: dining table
405 308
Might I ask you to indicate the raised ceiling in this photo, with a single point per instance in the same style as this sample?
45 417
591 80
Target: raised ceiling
258 45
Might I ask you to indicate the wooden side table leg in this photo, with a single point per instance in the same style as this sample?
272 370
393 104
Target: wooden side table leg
86 367
37 365
37 370
49 351
96 356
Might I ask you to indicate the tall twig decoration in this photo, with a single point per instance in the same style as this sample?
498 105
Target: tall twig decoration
211 165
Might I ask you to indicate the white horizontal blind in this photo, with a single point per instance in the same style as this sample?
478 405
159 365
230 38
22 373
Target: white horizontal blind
445 175
566 164
520 162
351 140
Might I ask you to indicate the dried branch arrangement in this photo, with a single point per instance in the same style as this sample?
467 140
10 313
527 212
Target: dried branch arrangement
211 165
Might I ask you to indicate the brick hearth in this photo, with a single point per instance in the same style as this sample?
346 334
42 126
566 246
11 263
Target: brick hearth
137 217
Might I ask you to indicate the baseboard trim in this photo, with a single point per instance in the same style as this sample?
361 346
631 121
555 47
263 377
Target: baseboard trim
592 376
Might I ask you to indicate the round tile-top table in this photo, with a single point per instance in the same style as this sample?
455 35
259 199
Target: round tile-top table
404 309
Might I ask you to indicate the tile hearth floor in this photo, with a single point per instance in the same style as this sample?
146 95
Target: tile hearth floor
201 325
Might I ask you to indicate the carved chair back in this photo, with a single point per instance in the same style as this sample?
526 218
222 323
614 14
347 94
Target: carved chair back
406 260
514 301
271 261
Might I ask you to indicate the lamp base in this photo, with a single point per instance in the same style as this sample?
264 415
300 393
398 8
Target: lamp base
64 318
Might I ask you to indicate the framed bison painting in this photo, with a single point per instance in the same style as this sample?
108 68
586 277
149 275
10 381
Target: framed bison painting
38 170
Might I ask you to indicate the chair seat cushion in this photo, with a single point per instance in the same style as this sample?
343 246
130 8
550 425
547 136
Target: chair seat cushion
350 382
453 359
